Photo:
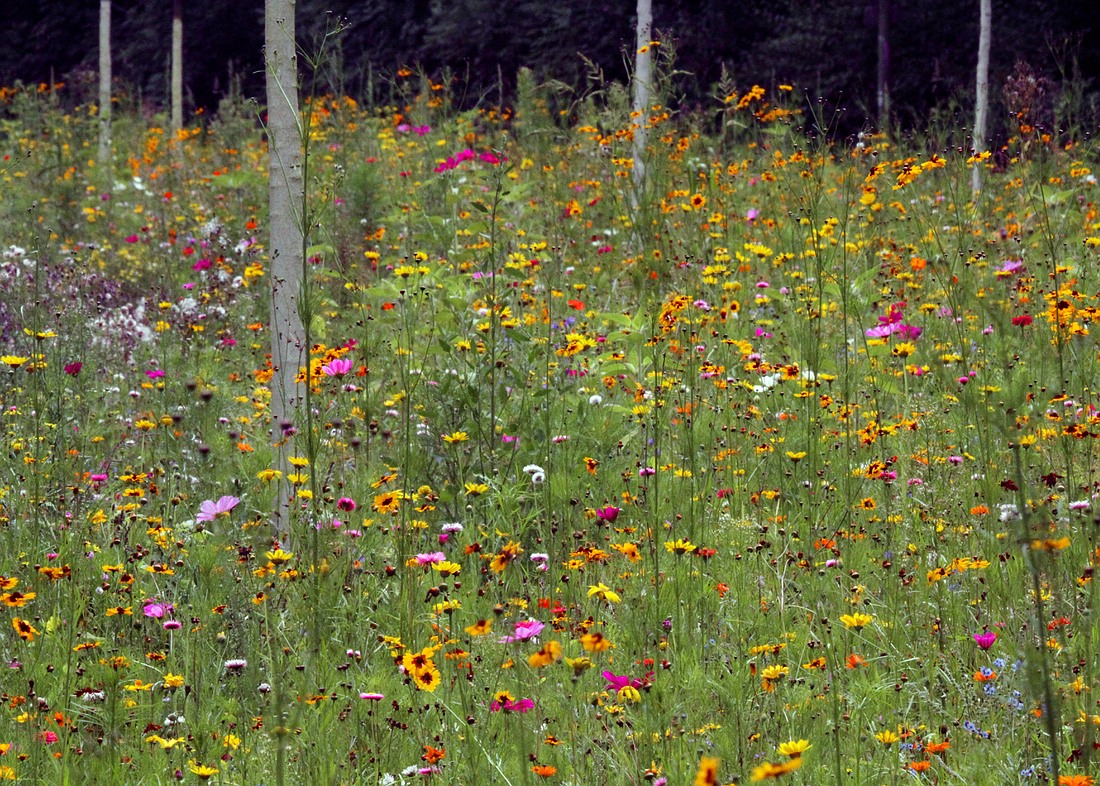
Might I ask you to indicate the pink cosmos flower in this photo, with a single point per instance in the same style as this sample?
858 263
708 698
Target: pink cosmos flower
336 367
210 510
517 705
156 610
525 629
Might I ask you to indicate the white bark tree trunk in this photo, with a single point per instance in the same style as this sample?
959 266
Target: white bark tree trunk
104 109
643 87
883 76
288 350
177 65
981 92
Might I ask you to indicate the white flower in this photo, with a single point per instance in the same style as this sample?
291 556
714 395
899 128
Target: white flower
595 400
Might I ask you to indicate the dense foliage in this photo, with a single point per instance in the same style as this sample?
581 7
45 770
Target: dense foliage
787 472
826 47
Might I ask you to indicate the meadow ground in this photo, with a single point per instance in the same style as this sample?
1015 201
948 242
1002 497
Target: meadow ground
786 472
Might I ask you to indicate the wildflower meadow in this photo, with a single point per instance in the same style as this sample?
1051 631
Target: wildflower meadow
781 468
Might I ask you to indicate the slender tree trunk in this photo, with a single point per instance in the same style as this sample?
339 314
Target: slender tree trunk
104 108
643 87
981 92
177 65
883 78
288 350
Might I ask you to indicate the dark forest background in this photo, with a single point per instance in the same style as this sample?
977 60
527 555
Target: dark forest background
825 47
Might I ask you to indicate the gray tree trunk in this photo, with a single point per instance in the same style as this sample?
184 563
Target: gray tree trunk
177 65
643 87
981 92
288 350
104 109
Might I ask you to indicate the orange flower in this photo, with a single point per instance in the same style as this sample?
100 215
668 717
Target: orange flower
544 770
24 629
920 766
1076 780
854 661
433 755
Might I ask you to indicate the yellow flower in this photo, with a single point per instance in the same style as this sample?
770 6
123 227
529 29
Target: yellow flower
769 770
279 557
550 653
771 675
24 629
165 744
794 748
480 628
457 436
595 642
680 546
172 681
231 741
13 361
856 621
203 771
887 737
474 489
603 592
579 665
707 774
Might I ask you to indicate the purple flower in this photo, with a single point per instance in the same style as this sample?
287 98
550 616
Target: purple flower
525 629
985 640
210 510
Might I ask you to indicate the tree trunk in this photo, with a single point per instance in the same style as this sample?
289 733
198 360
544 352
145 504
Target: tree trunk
177 65
883 77
643 85
981 92
104 109
288 350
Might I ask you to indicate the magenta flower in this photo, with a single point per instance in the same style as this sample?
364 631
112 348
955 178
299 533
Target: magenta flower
985 640
616 682
608 513
512 705
336 367
210 510
156 610
346 504
525 629
431 558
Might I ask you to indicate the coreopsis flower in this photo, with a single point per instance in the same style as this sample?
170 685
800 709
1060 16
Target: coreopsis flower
856 621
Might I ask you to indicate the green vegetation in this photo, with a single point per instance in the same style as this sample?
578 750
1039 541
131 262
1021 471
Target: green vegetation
788 474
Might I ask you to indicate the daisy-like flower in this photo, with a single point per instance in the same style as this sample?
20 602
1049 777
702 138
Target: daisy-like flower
794 748
336 367
210 510
525 629
856 621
